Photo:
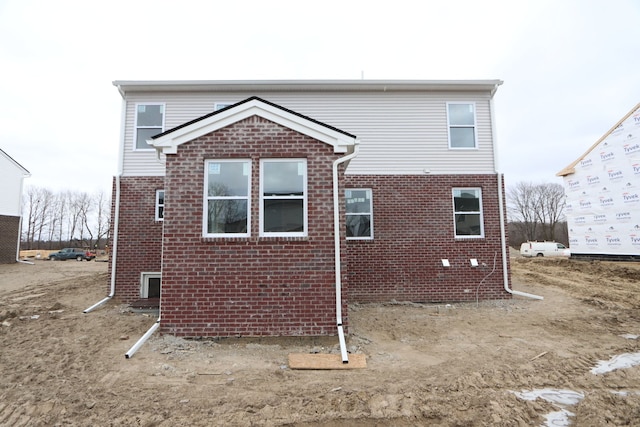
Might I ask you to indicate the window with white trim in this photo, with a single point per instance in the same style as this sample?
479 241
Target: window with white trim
159 205
467 212
220 105
461 120
227 198
283 197
149 122
150 284
359 212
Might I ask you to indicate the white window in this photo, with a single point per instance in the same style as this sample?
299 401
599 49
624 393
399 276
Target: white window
150 284
283 197
461 119
159 205
359 211
227 198
220 105
467 212
149 122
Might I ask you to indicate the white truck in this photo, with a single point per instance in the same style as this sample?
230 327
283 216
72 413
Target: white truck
531 249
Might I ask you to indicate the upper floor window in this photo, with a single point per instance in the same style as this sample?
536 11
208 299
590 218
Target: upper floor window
359 212
461 118
149 122
283 197
227 198
159 205
467 212
221 105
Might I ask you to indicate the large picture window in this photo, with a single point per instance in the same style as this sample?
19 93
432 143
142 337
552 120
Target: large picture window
283 197
461 117
227 198
359 211
467 212
149 122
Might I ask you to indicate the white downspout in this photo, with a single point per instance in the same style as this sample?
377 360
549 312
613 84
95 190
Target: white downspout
129 354
116 219
336 237
503 236
20 223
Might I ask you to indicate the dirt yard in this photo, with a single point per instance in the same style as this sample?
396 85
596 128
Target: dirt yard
437 365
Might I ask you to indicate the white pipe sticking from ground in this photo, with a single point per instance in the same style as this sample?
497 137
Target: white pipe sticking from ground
337 241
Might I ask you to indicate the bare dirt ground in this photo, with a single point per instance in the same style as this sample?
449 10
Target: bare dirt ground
436 365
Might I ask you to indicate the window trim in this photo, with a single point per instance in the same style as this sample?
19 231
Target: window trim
159 205
370 213
474 126
136 127
305 204
144 282
480 213
206 198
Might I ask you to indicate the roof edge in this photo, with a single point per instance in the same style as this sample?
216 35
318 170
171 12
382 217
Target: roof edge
570 169
125 86
26 172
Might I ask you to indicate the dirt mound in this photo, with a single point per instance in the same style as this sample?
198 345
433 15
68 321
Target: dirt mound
436 365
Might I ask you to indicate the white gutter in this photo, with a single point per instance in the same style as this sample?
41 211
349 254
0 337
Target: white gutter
20 224
116 219
503 236
337 240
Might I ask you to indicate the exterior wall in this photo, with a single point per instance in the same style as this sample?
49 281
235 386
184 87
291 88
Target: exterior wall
11 177
401 132
139 246
253 286
413 231
603 195
9 229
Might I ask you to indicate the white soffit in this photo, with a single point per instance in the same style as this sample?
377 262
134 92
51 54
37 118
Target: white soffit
168 143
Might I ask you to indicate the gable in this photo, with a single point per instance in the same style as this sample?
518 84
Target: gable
169 141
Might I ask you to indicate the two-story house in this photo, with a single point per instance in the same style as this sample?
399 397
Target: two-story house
264 207
12 176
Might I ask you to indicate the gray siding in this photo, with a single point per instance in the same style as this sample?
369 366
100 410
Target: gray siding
401 132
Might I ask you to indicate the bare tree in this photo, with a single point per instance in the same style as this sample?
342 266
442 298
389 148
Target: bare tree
65 218
536 210
550 212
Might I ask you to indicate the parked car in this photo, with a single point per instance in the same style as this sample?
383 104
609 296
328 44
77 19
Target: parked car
531 249
71 253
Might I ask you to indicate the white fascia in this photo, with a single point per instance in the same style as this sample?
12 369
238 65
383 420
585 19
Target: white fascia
168 144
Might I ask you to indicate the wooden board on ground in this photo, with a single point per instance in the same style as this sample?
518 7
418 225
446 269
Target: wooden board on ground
326 361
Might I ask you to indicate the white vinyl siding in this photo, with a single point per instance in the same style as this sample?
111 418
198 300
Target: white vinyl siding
401 132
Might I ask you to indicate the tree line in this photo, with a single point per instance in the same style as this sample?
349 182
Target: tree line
536 212
79 219
52 220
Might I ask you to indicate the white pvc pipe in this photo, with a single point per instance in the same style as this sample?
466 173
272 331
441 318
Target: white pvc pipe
142 339
116 219
337 240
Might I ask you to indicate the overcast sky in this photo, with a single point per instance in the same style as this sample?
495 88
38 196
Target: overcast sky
571 68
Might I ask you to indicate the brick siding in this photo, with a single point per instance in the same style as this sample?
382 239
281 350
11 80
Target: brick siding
413 231
9 228
251 286
139 234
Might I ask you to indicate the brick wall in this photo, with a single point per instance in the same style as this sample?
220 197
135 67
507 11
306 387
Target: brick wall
139 235
9 228
413 231
248 286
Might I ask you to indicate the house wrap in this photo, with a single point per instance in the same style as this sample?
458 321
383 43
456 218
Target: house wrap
252 208
603 194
